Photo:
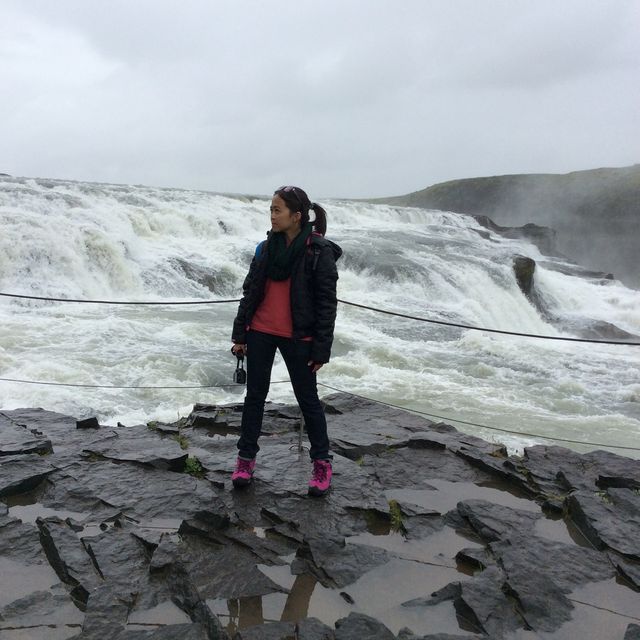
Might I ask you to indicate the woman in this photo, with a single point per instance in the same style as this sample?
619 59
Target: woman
288 303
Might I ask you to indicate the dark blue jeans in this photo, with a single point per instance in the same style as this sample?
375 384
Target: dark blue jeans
261 350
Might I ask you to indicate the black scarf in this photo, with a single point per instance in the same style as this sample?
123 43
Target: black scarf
282 258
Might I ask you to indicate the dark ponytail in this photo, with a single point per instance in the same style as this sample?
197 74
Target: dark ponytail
297 200
320 223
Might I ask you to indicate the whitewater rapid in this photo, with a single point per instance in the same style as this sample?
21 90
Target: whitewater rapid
116 242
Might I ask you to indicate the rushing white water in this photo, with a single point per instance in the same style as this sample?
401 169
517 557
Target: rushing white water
96 241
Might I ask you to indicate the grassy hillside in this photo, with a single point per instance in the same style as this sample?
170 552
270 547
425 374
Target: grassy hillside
596 213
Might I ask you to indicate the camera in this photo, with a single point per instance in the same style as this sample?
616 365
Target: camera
240 375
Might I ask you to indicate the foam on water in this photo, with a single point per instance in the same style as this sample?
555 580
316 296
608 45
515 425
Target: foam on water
96 241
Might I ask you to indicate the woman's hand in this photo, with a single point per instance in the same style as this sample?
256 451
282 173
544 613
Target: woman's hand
315 366
239 350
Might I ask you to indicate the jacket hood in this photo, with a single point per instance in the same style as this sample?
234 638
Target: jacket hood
322 241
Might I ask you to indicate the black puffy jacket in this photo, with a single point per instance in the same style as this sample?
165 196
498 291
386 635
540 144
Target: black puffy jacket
313 294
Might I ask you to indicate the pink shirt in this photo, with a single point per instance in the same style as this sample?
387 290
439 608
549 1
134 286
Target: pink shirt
274 313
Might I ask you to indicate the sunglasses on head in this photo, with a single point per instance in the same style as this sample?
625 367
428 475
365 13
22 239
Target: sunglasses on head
293 190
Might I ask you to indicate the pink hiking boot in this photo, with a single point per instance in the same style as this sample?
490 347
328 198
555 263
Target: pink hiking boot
243 473
320 477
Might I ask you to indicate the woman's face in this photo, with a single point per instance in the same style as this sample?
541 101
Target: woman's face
282 218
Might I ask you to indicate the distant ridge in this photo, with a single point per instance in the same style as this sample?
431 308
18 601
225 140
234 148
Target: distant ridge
596 213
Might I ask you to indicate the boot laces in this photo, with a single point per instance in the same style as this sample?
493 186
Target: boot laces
244 465
319 471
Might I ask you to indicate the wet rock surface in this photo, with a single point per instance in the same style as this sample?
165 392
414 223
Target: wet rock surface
134 532
524 269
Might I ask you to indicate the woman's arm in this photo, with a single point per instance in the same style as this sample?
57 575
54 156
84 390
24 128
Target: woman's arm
324 281
240 323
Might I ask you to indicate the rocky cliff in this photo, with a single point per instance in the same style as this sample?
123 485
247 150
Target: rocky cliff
596 213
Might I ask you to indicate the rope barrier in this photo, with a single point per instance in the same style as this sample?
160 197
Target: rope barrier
482 426
327 386
468 326
141 302
108 386
346 302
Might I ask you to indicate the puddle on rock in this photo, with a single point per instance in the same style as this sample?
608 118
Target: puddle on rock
168 525
30 512
602 611
27 507
379 593
45 632
560 530
377 524
163 613
153 527
506 487
445 496
609 594
439 548
239 613
52 609
576 534
21 579
27 497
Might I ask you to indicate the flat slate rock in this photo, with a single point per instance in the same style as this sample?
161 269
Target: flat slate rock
68 557
540 601
217 571
335 563
568 566
67 440
418 465
608 518
608 469
144 493
118 556
226 419
494 521
361 426
357 626
136 536
141 446
21 542
19 440
480 604
22 473
500 467
107 609
542 467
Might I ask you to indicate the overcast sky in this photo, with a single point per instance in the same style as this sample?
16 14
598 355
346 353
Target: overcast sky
349 99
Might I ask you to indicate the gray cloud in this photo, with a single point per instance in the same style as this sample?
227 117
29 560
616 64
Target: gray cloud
347 99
